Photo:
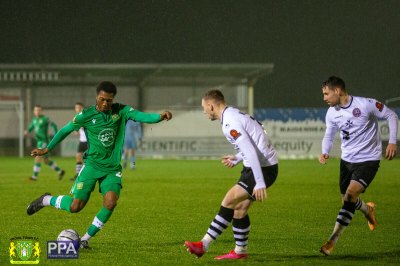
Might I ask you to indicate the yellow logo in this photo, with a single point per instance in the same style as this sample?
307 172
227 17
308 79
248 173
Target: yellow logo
79 185
24 250
115 117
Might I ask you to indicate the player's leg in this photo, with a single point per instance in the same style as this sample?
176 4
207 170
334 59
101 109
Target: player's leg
37 162
78 164
110 186
62 202
133 158
36 168
124 156
81 190
365 174
220 222
368 209
361 175
132 154
241 220
241 226
54 166
241 230
344 182
82 147
347 211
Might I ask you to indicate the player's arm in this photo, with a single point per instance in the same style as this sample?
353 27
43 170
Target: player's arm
249 152
231 160
53 126
149 118
30 128
58 137
327 141
383 112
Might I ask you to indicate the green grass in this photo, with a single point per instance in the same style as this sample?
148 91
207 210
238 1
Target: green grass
165 202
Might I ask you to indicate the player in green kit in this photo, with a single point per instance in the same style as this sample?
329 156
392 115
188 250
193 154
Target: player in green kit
104 125
40 125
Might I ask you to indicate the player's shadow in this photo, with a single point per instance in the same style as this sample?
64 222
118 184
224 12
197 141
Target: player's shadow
367 256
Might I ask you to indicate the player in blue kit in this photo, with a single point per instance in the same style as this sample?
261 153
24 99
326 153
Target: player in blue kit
133 139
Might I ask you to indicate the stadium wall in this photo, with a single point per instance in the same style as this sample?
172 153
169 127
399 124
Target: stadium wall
295 133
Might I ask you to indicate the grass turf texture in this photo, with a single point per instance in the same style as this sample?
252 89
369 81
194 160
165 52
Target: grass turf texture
165 202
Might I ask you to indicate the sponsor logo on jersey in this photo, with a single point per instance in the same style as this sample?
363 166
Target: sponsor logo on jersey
235 135
115 117
94 121
349 123
79 185
356 112
106 137
379 106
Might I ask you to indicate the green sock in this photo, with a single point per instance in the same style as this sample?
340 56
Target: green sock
61 202
36 169
98 222
53 166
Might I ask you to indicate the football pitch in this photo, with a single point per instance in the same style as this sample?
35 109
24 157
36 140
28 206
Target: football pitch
164 202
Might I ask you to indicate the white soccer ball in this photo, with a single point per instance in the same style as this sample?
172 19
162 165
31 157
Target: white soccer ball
68 235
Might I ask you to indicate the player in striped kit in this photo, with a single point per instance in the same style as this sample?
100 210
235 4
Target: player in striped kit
82 146
260 169
357 120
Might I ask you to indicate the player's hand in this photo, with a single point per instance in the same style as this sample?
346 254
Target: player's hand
166 115
260 194
391 151
39 152
323 158
228 160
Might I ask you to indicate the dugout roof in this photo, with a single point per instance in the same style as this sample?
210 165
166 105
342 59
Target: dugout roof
139 74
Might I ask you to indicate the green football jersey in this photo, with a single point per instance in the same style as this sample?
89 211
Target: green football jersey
40 126
105 132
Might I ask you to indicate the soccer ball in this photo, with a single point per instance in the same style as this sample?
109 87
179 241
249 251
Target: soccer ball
68 235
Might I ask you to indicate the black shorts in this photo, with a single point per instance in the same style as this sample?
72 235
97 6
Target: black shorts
248 182
82 147
363 173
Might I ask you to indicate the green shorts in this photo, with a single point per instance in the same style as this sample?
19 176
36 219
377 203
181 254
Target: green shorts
86 182
42 145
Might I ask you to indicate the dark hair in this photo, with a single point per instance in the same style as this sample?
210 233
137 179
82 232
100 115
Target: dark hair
107 86
334 82
215 95
37 105
79 103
